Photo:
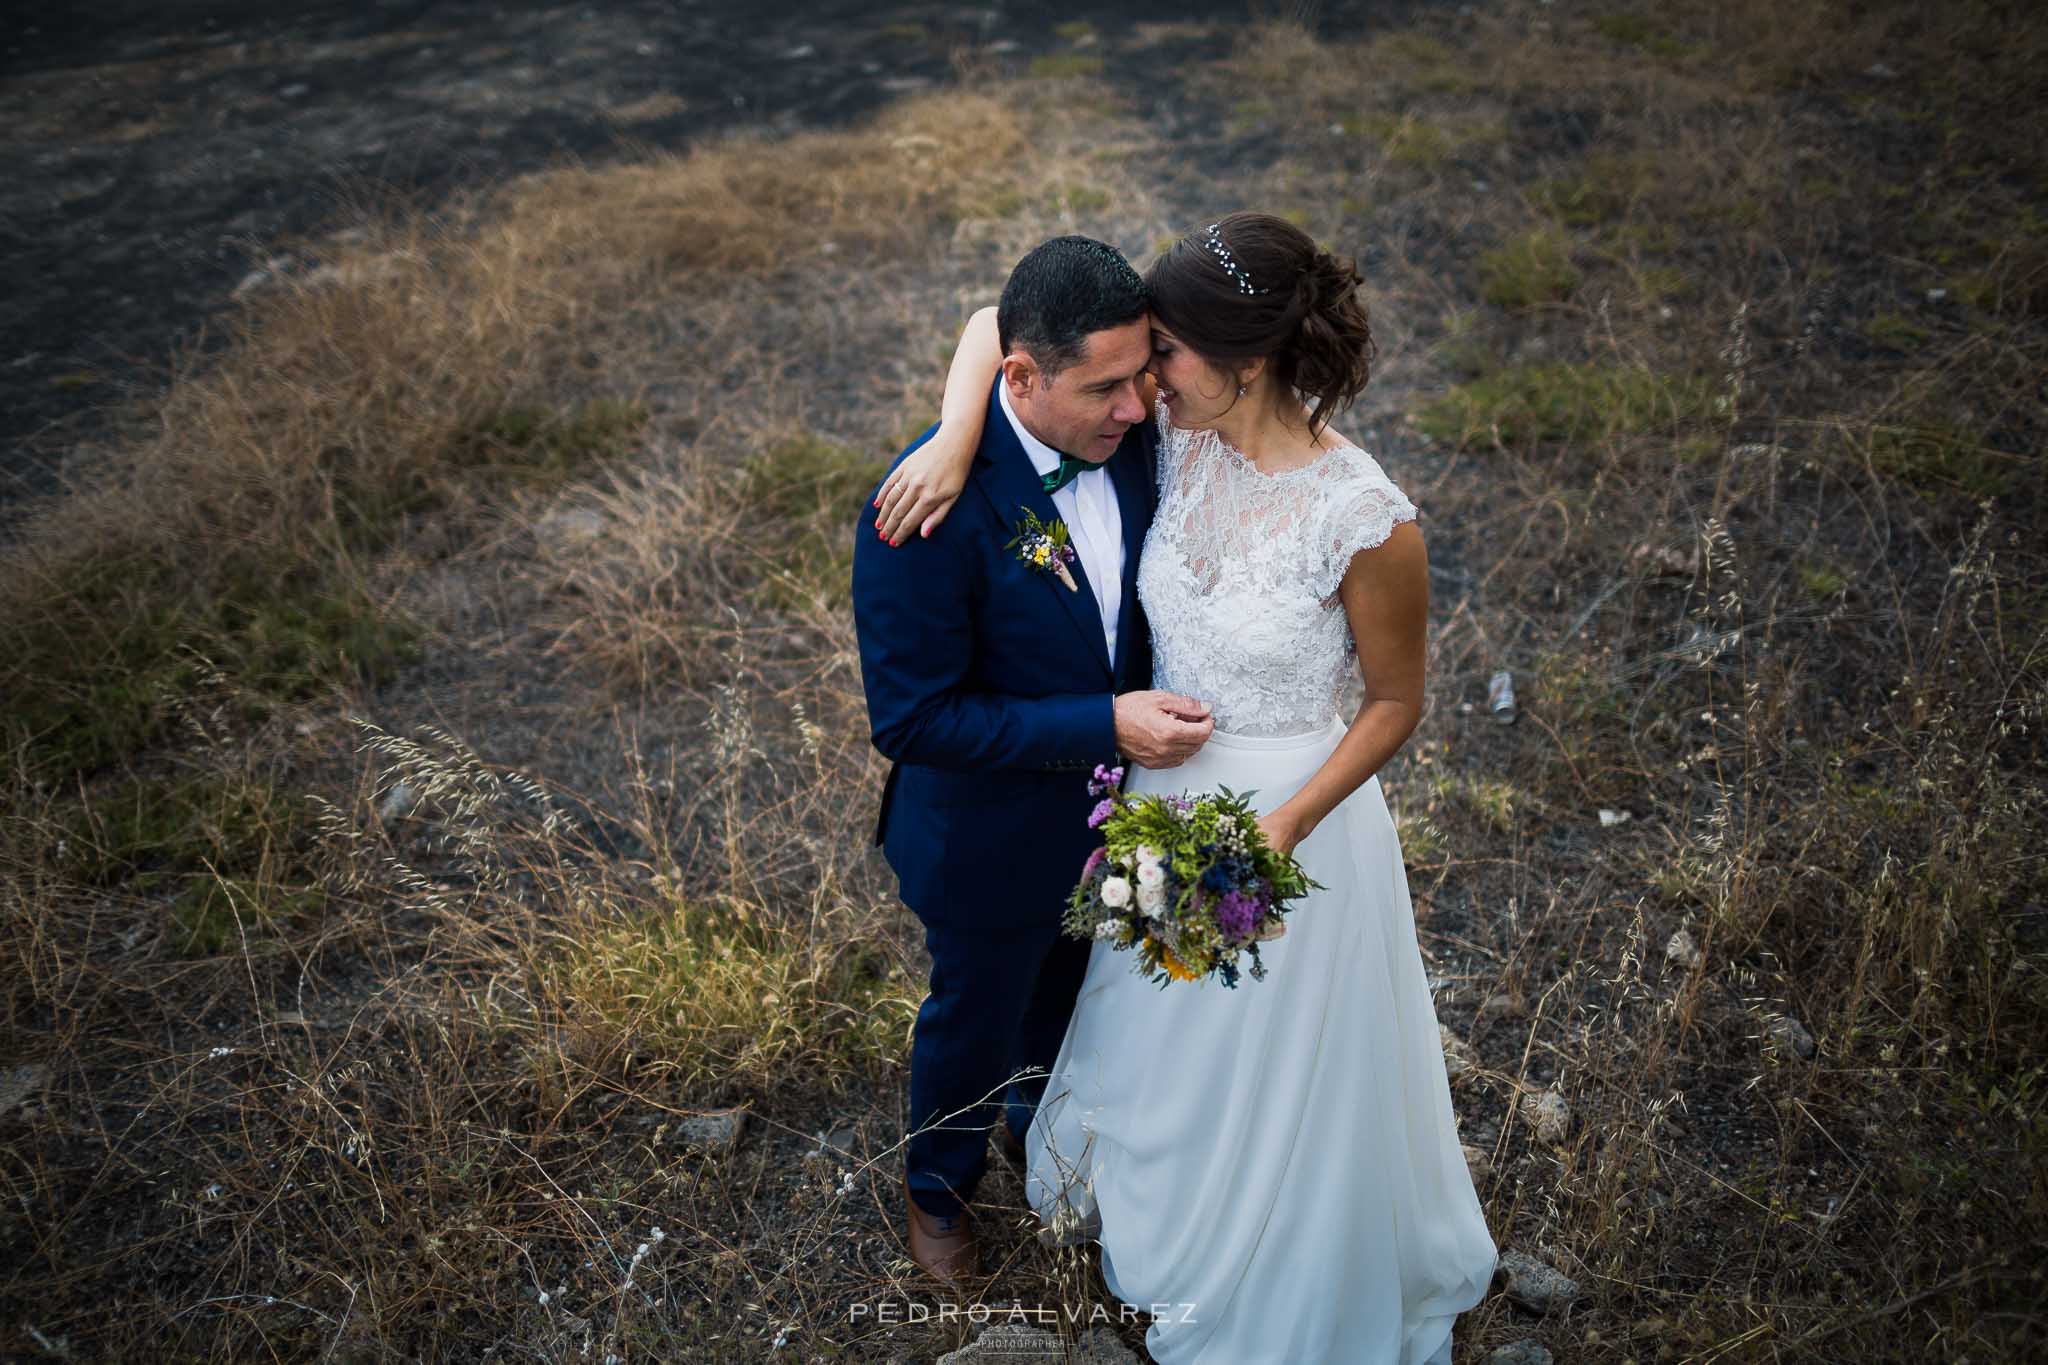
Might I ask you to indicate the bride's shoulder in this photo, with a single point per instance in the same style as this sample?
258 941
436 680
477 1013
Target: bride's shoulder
1352 474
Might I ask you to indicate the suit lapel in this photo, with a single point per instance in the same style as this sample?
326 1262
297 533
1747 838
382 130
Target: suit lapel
1131 473
1011 485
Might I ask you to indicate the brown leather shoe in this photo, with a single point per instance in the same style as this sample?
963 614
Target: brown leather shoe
943 1246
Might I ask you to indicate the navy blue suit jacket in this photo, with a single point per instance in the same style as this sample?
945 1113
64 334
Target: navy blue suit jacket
990 687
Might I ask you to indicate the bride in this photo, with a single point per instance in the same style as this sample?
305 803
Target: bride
1272 1170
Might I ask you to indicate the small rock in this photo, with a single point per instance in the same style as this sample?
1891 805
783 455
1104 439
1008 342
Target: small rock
1878 71
718 1129
251 282
1681 949
294 91
1500 1005
1936 295
1549 1115
1790 1035
1610 818
1530 1352
570 525
398 803
358 270
1479 1162
19 1085
1458 1055
1535 1286
840 1139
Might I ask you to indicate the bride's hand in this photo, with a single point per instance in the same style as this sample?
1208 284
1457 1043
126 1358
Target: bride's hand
1281 832
923 488
1281 836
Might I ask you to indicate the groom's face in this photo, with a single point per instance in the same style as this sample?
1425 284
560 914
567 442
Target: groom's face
1085 409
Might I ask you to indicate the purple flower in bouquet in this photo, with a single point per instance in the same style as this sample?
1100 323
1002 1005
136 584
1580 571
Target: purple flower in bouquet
1239 912
1094 863
1103 810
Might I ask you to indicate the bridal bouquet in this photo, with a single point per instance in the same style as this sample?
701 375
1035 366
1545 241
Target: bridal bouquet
1189 882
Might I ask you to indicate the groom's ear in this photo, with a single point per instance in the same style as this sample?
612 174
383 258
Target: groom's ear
1021 373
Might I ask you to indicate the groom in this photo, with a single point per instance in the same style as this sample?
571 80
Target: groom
995 686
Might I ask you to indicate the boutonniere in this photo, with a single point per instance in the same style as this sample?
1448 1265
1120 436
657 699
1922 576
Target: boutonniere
1044 547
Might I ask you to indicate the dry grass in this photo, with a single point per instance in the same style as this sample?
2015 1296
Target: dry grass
1746 510
356 400
1770 594
356 1055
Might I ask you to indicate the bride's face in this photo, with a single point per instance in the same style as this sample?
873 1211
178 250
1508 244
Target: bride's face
1195 392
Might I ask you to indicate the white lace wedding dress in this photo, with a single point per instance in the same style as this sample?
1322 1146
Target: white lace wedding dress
1272 1170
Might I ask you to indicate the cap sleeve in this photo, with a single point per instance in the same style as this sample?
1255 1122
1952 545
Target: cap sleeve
1361 510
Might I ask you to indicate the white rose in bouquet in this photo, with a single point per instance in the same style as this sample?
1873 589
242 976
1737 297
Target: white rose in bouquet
1151 898
1116 892
1151 876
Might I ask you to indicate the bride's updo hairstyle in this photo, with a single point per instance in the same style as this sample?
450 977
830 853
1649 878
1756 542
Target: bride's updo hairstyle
1253 286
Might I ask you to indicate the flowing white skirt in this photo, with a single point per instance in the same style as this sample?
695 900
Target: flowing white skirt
1273 1171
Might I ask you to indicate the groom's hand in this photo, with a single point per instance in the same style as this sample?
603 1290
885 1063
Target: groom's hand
1161 729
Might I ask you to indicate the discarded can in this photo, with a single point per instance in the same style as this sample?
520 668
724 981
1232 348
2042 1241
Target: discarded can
1500 697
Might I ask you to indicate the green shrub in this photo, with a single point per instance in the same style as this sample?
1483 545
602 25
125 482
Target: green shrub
1896 333
729 995
1562 402
1940 456
220 842
807 491
1633 30
1532 269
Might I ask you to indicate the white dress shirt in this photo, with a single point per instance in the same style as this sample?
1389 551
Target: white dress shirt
1094 524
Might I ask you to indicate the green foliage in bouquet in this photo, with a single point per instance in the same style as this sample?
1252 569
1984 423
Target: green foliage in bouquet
1188 882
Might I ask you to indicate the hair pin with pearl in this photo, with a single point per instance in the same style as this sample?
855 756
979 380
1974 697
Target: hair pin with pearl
1214 241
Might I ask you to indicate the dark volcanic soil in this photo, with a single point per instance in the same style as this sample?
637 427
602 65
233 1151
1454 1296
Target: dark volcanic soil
152 156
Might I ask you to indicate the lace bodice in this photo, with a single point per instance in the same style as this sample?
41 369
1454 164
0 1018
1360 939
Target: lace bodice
1239 577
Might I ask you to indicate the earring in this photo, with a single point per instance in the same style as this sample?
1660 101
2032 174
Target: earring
1240 390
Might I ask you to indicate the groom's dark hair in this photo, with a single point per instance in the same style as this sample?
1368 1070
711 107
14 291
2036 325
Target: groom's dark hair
1060 292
